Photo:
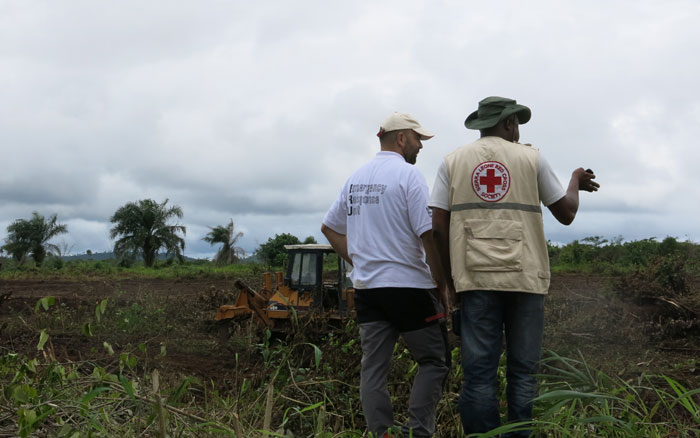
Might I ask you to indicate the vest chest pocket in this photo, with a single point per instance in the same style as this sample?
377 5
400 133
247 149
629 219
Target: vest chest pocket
493 245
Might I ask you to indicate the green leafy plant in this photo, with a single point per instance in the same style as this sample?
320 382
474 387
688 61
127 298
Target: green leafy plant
32 236
143 228
44 303
226 235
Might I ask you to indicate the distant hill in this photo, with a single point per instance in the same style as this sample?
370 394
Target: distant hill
93 256
97 256
253 258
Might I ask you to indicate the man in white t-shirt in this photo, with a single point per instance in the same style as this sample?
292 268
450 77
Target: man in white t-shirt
381 224
487 223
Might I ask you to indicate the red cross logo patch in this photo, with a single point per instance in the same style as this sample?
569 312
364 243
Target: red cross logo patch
491 181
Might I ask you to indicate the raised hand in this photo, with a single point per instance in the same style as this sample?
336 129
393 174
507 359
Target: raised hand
585 180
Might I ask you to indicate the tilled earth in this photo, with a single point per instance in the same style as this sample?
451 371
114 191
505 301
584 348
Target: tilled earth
169 325
173 319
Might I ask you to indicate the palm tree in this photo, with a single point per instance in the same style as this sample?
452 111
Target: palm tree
144 230
31 237
228 253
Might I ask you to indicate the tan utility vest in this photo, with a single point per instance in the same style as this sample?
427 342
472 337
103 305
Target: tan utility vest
496 233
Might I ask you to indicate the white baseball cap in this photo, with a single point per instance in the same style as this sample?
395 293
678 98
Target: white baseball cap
398 121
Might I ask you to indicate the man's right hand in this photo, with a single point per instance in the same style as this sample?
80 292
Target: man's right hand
585 180
564 210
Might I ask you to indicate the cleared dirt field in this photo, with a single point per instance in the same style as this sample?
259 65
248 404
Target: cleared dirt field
173 320
176 314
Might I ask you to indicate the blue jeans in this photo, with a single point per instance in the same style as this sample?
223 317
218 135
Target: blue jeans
485 314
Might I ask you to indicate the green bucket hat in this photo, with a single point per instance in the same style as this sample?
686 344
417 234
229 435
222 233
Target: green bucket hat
494 109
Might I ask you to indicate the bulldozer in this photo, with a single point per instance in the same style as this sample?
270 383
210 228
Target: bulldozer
309 287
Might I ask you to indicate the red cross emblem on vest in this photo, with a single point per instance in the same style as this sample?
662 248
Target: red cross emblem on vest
491 181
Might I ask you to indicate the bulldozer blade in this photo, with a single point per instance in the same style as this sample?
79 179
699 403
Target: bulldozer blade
256 303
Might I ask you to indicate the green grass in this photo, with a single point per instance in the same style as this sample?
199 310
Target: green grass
298 391
86 269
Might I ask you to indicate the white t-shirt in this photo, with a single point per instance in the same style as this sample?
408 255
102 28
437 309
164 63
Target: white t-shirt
383 211
548 186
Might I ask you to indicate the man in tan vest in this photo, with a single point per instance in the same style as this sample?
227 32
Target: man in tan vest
487 222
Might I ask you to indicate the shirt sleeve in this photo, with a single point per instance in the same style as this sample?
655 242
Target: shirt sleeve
548 185
337 216
419 215
440 197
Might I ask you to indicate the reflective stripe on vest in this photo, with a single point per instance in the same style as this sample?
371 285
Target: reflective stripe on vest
497 206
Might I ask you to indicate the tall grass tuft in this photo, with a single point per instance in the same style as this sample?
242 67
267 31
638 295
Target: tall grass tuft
579 401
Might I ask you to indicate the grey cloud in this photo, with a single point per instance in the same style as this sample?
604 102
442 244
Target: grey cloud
46 188
259 112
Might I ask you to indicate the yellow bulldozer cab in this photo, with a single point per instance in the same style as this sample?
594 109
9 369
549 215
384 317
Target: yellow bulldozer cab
316 280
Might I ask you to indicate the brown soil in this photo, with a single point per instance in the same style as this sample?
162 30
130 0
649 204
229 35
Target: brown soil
586 317
187 328
583 314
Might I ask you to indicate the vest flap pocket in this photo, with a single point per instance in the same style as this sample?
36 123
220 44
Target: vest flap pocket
493 245
493 229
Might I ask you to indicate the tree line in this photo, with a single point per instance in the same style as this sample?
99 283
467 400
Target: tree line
141 229
145 228
614 256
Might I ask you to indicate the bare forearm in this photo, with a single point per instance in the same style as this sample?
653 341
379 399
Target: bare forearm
338 241
441 234
570 201
433 259
436 269
565 209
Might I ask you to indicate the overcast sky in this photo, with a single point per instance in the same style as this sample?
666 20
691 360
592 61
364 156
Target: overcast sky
259 111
